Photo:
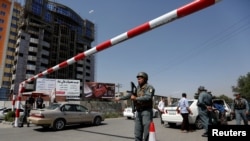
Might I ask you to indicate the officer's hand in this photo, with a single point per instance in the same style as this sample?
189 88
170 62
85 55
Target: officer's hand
133 97
117 99
209 108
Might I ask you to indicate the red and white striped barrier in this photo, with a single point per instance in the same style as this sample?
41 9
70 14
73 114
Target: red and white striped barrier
166 18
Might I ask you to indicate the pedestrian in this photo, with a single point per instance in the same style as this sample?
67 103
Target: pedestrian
183 108
27 108
161 106
31 101
240 108
144 106
204 108
39 102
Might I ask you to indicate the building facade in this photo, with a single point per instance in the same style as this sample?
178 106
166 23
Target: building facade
9 21
49 34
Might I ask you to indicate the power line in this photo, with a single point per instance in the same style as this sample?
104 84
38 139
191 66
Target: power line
211 43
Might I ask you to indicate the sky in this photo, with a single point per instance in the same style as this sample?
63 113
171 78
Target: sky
208 48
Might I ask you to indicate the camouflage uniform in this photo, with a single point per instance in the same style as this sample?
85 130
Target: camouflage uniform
144 111
240 107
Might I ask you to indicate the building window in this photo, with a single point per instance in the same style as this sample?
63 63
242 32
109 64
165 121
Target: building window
11 49
8 65
13 33
10 57
7 74
6 83
14 25
2 13
15 18
12 41
16 11
21 54
36 9
4 5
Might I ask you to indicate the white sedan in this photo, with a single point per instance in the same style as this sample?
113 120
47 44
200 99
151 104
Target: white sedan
173 118
130 115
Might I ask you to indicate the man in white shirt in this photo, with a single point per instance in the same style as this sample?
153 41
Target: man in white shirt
183 108
161 106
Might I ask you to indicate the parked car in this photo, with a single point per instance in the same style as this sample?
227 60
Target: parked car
58 115
173 118
5 110
130 115
1 108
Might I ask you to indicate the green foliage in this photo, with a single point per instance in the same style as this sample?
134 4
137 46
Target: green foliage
10 116
243 86
226 98
112 115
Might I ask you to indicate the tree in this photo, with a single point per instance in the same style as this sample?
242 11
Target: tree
226 98
243 86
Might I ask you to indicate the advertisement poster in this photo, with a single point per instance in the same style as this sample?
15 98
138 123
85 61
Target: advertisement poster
62 87
99 90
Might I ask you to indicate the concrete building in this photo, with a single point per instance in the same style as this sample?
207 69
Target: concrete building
49 34
9 21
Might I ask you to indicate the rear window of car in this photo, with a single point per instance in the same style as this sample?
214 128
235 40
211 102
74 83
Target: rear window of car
53 106
190 102
175 104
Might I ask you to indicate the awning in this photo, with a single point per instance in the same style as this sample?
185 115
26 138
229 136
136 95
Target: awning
36 93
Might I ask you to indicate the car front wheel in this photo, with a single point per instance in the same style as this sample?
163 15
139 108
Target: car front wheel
59 124
97 121
198 123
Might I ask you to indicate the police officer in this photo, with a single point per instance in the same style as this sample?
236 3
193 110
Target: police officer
240 108
144 106
205 108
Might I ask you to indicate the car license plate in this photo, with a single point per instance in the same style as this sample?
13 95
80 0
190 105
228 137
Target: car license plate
172 113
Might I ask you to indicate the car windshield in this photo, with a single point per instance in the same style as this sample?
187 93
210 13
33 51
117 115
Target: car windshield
53 106
175 104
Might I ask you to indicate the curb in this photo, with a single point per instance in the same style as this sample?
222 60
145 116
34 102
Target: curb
6 124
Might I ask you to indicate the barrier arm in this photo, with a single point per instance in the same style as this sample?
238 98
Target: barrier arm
183 11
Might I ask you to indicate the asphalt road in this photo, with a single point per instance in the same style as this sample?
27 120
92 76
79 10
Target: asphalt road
116 129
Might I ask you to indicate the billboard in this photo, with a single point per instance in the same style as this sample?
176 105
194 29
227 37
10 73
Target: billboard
62 87
99 90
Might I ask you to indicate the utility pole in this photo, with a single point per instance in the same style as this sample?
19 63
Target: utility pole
118 87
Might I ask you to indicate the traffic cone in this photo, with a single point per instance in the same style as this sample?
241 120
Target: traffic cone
152 132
